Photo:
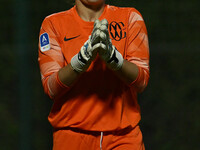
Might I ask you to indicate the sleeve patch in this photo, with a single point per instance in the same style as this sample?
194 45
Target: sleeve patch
44 42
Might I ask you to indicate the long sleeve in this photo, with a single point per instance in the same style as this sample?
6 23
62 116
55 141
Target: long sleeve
50 59
138 49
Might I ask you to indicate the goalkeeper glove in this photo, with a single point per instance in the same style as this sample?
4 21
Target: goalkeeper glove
107 51
81 61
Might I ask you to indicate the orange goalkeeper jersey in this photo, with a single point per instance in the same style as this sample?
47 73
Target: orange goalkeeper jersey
99 100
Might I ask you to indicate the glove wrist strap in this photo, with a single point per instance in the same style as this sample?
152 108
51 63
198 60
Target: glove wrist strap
79 64
116 60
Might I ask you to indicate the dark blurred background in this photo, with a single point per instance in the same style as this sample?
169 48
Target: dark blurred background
170 104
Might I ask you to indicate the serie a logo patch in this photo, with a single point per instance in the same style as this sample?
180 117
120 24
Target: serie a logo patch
44 42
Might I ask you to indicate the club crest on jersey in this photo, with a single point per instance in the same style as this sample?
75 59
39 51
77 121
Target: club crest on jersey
44 42
117 30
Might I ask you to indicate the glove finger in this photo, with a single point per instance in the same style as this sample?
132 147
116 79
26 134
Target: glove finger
96 46
95 37
102 49
97 23
104 22
103 46
103 52
88 48
103 37
103 28
84 53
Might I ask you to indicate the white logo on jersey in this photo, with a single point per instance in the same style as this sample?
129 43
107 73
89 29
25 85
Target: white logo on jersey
44 39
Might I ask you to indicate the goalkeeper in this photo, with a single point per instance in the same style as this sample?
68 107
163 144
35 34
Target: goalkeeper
94 59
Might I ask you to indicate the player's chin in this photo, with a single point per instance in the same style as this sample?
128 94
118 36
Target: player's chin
95 2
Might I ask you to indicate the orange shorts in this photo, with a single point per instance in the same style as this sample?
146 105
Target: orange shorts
75 139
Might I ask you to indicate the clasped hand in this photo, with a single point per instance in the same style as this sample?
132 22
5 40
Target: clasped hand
99 42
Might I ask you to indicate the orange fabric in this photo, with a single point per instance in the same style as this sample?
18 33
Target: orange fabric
120 140
99 100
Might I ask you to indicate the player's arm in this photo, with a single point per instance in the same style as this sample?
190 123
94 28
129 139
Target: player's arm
51 60
81 61
134 68
137 51
128 72
68 75
59 78
56 77
52 63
